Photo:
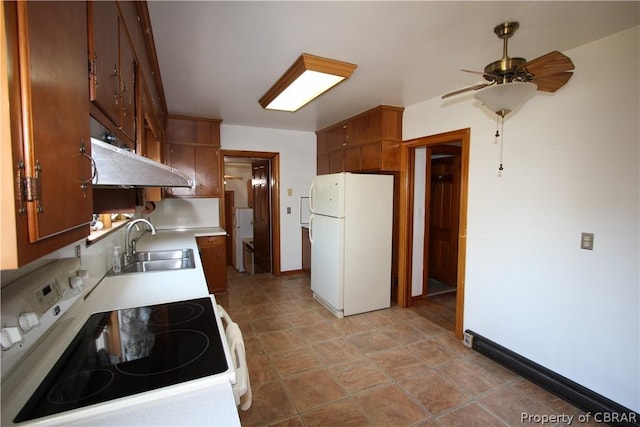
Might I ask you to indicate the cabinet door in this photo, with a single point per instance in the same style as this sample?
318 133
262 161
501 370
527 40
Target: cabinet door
322 166
182 157
200 162
206 171
372 156
103 53
53 62
214 262
126 91
336 161
352 159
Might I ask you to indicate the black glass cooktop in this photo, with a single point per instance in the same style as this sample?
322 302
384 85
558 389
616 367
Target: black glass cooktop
123 352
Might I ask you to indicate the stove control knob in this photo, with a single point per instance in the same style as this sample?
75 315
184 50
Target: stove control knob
9 336
76 282
27 321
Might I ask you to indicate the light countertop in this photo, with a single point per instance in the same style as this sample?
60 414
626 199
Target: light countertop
155 287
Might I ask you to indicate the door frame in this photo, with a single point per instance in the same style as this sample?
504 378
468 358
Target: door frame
275 198
405 250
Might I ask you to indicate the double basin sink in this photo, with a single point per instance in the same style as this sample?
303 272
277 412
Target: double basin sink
148 261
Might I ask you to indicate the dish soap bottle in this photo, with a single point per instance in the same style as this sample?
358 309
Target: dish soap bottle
117 260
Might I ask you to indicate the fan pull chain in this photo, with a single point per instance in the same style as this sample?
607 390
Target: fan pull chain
500 168
497 135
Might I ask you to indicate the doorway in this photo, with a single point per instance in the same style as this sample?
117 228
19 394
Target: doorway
434 171
267 188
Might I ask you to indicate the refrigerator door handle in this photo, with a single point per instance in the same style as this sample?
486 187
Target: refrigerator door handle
311 229
311 199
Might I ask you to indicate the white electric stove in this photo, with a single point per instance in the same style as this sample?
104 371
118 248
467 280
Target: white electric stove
74 353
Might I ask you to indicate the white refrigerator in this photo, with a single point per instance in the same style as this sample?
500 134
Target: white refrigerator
242 229
350 229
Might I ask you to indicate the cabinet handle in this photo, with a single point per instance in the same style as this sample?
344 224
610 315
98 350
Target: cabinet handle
117 76
94 169
92 70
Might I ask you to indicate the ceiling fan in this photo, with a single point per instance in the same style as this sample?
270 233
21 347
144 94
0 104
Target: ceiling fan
549 72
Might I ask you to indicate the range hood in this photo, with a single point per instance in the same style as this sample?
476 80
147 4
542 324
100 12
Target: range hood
116 167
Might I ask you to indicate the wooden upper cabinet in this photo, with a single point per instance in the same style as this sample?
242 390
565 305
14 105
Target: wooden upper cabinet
186 130
112 67
104 77
47 51
369 141
193 147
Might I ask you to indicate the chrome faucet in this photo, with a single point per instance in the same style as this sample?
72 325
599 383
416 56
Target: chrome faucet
130 245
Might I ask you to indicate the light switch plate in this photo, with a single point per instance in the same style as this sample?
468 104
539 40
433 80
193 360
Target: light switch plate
586 241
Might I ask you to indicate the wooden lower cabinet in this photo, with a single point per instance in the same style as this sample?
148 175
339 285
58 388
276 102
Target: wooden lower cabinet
213 254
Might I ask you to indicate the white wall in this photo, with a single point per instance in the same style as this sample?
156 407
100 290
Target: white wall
297 168
571 165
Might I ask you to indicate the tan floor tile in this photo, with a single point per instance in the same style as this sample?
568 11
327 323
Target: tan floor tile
359 375
509 403
285 340
270 324
432 353
312 389
289 422
299 319
270 403
468 377
261 369
372 341
403 333
293 362
472 415
341 413
390 406
398 363
319 332
434 392
336 351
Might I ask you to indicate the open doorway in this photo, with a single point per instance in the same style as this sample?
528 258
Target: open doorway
434 217
240 168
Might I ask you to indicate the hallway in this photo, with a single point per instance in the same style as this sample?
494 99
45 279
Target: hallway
387 368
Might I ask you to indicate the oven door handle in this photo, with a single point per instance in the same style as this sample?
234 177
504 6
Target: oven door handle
242 387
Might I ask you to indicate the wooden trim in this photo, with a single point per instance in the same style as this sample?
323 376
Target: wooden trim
275 199
462 136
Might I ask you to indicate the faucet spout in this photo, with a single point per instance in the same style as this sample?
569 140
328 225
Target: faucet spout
129 245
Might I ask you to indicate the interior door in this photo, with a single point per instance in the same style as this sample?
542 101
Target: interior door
229 225
261 215
443 216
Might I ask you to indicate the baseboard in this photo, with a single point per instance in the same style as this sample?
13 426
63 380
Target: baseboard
601 408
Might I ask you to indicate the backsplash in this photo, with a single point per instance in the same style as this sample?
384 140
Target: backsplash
186 213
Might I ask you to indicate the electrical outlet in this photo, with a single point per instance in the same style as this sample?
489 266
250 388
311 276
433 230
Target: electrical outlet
288 210
586 241
78 252
467 339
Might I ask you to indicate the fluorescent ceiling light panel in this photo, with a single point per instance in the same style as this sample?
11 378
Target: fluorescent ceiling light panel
308 77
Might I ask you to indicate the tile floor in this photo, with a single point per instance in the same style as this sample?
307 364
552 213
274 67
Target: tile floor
391 367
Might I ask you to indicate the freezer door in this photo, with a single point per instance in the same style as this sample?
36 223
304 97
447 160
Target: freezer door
327 259
326 195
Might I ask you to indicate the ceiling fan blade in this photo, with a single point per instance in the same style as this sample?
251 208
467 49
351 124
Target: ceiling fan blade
552 63
466 89
553 82
494 76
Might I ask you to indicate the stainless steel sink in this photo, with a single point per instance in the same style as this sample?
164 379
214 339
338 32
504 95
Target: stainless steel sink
163 255
147 261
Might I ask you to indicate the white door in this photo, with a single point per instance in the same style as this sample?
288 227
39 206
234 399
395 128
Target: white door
326 195
327 259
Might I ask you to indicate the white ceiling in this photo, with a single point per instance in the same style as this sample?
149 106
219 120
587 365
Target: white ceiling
218 58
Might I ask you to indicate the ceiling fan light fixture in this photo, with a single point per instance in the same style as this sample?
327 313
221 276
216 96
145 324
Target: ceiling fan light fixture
506 97
309 77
